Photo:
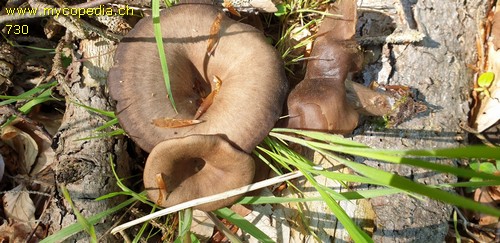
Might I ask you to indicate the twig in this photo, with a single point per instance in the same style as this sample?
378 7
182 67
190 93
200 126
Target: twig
126 238
154 223
480 136
408 36
45 206
216 197
465 224
92 4
63 20
14 3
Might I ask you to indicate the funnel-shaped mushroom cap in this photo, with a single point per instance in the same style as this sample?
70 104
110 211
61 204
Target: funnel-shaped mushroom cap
196 166
251 95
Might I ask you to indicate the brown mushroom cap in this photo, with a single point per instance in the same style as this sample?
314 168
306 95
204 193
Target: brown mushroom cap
197 166
319 101
253 79
207 158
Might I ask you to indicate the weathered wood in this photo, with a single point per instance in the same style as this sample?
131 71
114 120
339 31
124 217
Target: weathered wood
83 165
436 69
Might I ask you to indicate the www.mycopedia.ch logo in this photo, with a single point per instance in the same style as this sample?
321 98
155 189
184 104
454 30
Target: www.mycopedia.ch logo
69 11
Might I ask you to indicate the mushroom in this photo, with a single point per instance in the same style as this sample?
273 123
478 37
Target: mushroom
212 156
319 101
197 166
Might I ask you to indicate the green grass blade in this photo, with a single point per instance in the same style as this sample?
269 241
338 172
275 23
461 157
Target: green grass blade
455 227
321 136
354 195
13 98
109 123
30 94
185 220
86 225
143 228
161 50
243 224
110 195
308 167
471 184
109 114
116 132
125 190
463 152
383 156
357 234
400 182
77 227
194 239
141 231
298 161
43 97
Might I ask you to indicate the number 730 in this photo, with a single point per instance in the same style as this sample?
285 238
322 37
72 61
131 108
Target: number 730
17 29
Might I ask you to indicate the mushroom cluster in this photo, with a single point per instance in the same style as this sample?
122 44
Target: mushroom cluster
319 101
194 161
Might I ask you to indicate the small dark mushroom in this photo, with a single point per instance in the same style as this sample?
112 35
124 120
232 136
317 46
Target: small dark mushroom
246 107
319 101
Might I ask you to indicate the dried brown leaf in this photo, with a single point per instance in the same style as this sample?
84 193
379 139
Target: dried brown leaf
46 155
16 232
2 167
18 205
494 192
213 40
162 188
207 102
43 140
487 113
8 132
229 5
25 146
483 195
174 123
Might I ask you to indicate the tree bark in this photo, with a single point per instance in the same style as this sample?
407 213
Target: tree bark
436 71
83 165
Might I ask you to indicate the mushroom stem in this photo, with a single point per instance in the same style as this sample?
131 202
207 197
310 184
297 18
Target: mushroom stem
319 101
368 102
